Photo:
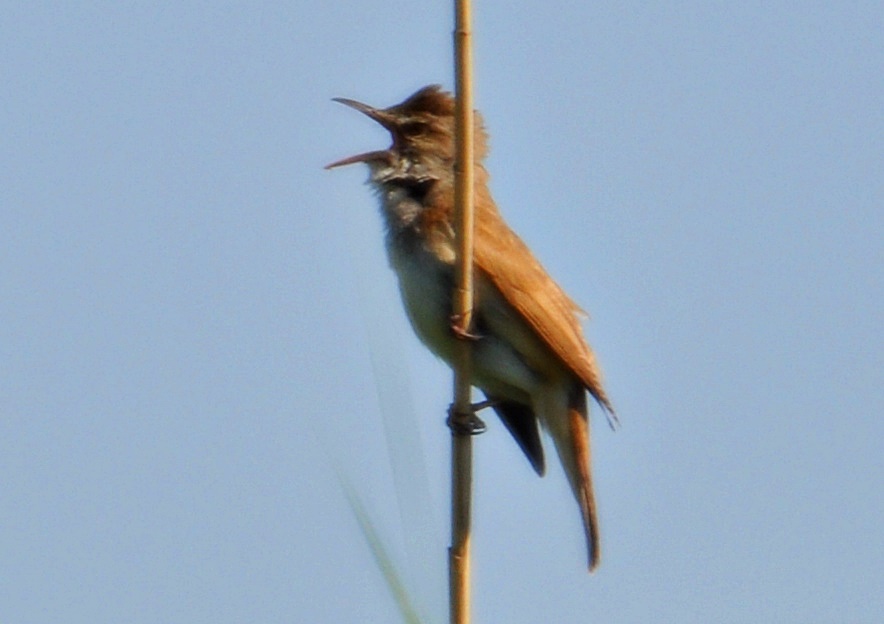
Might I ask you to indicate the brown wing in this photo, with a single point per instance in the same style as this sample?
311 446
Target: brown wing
507 261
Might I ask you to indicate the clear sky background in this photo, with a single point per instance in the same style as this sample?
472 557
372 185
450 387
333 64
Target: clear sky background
199 332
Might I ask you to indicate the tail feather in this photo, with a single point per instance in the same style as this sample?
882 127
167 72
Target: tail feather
522 424
583 489
564 413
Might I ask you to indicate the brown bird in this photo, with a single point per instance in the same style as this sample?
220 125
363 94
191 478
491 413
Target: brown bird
530 358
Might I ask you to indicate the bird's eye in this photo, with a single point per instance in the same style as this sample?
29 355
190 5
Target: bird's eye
413 128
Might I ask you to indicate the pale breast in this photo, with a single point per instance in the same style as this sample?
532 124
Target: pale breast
425 284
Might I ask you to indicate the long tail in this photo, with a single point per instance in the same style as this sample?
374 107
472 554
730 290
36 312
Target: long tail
581 479
570 430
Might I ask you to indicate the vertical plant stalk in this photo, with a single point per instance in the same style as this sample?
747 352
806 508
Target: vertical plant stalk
461 440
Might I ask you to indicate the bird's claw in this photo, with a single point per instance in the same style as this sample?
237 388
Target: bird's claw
461 332
466 422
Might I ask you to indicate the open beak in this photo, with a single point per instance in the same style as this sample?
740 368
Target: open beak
382 117
366 157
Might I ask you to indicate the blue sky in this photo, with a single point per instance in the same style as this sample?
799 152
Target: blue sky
200 337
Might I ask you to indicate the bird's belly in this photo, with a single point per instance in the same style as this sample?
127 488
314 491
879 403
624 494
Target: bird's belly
426 286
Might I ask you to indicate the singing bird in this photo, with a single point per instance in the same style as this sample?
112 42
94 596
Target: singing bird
530 357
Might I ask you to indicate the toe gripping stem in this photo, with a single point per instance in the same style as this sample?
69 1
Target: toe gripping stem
467 423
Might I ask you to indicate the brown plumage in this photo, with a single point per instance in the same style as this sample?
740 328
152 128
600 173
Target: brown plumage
531 358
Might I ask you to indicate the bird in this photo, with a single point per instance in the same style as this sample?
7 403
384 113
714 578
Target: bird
529 355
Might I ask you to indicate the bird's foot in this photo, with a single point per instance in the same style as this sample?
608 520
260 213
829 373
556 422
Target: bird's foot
466 422
459 330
